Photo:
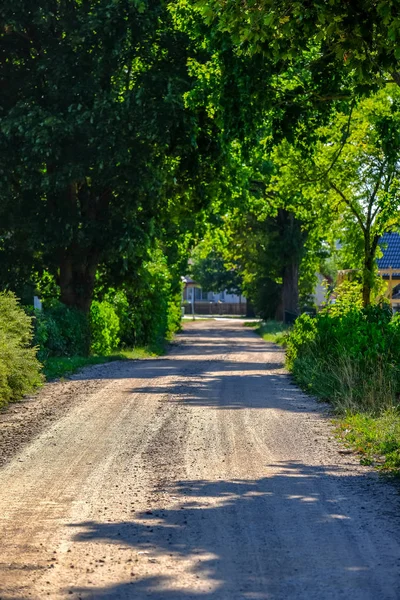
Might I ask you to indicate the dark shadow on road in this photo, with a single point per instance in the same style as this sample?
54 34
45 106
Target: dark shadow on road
223 379
290 536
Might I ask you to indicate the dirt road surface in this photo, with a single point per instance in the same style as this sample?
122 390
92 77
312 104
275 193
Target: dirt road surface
203 475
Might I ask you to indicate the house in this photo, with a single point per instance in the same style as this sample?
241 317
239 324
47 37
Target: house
389 266
211 303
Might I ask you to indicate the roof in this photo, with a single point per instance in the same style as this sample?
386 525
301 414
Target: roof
390 246
189 281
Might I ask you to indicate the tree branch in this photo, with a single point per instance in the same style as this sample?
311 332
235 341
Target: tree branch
349 204
374 193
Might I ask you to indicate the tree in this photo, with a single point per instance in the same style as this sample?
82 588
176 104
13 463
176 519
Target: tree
353 175
361 36
94 132
209 270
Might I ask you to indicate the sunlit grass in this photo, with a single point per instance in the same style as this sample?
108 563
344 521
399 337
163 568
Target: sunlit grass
271 330
377 439
56 367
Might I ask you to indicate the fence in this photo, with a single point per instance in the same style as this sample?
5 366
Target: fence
217 308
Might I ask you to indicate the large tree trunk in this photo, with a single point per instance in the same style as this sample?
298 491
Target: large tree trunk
288 306
77 277
292 241
279 312
79 260
290 291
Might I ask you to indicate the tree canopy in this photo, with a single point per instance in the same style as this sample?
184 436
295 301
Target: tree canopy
130 130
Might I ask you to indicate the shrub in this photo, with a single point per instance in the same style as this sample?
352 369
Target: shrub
19 367
104 327
61 331
119 301
350 357
155 302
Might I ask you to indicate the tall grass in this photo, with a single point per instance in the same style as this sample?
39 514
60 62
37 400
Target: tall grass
350 384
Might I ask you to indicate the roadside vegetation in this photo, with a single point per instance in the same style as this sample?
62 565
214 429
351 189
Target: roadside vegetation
19 367
58 367
270 330
349 355
39 345
264 154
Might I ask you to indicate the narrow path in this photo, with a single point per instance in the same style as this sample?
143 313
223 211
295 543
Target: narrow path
203 475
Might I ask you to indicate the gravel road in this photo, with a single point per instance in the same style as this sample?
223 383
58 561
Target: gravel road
203 475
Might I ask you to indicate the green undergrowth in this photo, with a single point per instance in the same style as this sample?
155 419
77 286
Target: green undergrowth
376 439
56 367
350 356
270 331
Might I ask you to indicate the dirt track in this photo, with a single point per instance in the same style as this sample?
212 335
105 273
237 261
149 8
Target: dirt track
203 475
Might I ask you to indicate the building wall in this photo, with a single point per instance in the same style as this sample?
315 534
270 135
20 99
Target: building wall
201 296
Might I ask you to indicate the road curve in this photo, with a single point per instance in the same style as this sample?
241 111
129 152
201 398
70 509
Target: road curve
203 475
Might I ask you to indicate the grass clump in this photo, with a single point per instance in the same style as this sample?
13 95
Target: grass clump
270 331
377 439
20 371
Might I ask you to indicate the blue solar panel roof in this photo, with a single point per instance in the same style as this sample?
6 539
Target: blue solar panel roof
390 246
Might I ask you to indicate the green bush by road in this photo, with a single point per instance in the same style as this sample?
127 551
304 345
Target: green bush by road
20 371
350 356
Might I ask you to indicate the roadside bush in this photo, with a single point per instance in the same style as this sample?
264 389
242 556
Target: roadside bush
104 327
156 303
174 315
19 367
350 357
119 301
61 331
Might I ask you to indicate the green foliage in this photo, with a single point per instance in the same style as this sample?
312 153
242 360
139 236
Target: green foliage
124 311
98 140
61 331
350 357
104 328
273 331
19 367
148 305
209 270
349 178
348 297
377 439
337 36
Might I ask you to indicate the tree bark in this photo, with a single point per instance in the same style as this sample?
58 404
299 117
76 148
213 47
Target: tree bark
292 240
367 280
370 247
79 260
77 277
290 290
